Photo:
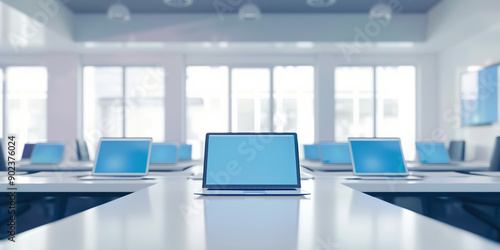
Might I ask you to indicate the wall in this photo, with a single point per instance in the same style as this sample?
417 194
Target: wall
481 50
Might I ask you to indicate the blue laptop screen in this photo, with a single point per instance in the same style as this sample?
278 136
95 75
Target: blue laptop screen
377 157
432 152
122 157
163 153
335 153
47 153
251 160
311 152
185 152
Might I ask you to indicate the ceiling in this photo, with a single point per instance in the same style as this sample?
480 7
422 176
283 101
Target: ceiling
266 6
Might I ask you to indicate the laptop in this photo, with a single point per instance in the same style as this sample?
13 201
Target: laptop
432 152
378 158
27 151
335 153
251 164
121 158
47 153
163 153
311 152
185 151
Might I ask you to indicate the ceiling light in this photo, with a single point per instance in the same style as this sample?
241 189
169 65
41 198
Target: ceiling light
320 3
249 12
473 68
118 12
304 45
381 11
178 3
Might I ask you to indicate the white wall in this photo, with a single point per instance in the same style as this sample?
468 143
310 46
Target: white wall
480 50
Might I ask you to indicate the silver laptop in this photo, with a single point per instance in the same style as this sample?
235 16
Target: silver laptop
121 158
378 158
251 164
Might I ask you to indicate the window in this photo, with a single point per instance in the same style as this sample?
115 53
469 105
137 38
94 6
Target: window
123 102
376 101
353 102
294 101
250 96
207 104
26 107
222 99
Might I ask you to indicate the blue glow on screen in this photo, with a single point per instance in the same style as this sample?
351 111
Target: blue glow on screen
251 160
479 98
122 156
430 152
311 152
185 152
163 153
377 157
47 153
335 153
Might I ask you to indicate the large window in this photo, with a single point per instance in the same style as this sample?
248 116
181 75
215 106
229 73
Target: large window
221 99
26 106
123 102
376 102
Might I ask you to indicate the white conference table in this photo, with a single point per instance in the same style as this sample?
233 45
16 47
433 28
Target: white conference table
163 213
413 166
88 166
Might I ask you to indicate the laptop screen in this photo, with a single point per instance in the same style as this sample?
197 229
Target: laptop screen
311 152
335 153
163 153
47 153
251 160
123 157
27 151
377 157
432 152
185 151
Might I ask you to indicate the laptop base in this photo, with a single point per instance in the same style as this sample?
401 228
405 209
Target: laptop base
409 177
91 177
267 192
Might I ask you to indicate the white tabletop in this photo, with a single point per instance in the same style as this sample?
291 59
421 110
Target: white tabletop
163 213
167 215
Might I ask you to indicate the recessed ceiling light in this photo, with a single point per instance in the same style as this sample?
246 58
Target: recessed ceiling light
320 3
381 11
178 3
305 45
223 44
393 45
473 68
119 12
249 12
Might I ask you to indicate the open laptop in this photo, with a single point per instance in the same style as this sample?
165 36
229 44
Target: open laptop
432 153
335 153
163 153
185 152
311 152
378 158
121 158
47 153
251 164
334 156
27 151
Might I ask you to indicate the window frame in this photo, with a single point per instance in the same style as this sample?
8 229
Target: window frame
124 92
374 96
